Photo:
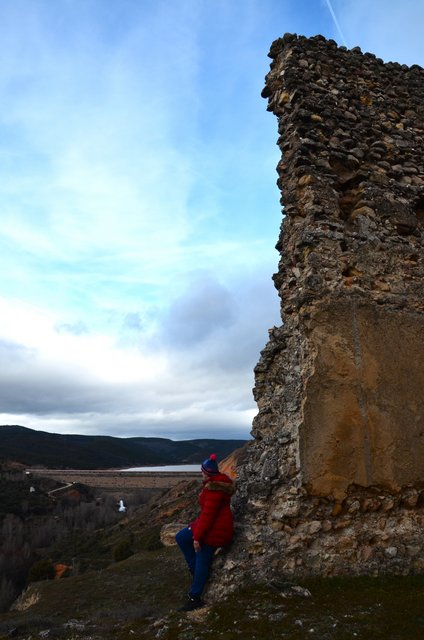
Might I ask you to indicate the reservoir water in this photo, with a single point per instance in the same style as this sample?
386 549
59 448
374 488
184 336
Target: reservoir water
175 468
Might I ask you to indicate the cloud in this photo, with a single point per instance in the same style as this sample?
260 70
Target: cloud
133 322
139 214
204 308
113 185
194 376
77 328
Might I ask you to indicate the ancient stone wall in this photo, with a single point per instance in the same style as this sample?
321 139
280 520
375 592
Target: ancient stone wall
333 481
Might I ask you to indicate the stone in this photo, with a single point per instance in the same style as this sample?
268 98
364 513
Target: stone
354 507
286 509
301 591
366 552
270 469
27 599
370 504
342 376
346 542
337 509
342 524
314 527
363 211
411 498
413 550
169 531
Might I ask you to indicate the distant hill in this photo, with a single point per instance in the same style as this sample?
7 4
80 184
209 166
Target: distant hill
30 447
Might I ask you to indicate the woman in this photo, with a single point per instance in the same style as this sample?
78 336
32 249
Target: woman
213 528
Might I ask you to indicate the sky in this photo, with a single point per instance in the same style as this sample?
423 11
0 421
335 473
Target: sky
138 204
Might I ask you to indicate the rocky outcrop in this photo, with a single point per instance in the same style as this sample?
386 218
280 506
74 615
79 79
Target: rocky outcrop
232 463
333 481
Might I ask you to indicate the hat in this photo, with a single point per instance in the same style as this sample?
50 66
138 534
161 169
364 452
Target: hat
210 466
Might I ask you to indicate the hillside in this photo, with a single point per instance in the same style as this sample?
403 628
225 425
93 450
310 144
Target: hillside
138 597
30 447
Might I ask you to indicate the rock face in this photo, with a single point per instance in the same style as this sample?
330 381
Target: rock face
333 481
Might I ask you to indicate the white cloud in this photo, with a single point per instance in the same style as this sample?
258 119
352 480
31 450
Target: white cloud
139 206
62 379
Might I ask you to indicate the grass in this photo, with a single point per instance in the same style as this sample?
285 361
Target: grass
338 609
138 598
143 586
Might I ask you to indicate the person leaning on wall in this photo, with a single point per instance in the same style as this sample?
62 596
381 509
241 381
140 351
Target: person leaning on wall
213 528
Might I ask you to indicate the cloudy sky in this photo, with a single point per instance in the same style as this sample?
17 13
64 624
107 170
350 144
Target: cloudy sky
138 205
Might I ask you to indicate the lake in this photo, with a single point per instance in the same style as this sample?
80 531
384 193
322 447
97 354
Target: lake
171 468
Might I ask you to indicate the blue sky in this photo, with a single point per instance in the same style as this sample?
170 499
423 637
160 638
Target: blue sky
138 204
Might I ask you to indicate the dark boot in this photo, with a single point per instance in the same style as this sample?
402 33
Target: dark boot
192 602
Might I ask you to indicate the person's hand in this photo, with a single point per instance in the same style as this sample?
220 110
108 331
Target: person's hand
196 545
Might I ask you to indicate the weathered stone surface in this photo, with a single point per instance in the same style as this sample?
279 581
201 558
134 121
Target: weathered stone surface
27 599
169 531
333 480
364 407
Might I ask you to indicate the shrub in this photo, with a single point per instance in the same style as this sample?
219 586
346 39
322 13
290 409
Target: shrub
41 570
122 551
151 540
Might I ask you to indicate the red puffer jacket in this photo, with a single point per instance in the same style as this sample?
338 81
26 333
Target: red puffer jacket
214 526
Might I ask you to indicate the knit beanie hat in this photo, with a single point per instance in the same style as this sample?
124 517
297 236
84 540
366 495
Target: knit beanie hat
210 466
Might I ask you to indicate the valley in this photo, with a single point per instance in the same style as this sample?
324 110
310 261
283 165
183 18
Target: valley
118 481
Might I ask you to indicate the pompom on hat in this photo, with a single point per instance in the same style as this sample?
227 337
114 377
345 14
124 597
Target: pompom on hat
210 466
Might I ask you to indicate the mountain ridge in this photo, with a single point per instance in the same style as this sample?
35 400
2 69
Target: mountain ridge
30 447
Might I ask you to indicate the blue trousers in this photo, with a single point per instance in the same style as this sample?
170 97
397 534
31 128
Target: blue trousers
198 563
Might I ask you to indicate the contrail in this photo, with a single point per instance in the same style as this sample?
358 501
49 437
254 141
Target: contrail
336 22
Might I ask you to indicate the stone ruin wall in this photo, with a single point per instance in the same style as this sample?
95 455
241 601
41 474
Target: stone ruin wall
334 478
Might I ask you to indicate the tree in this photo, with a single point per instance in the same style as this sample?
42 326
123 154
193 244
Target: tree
41 570
122 551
